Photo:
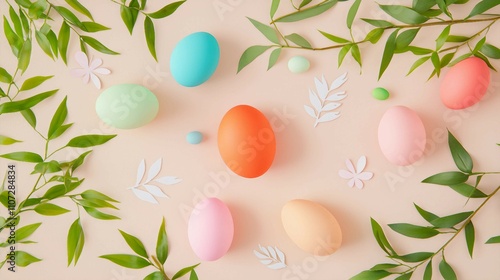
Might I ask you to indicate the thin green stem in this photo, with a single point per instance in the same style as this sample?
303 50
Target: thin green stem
156 263
470 38
281 34
55 151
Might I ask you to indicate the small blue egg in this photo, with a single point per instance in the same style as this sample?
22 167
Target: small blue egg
194 137
195 59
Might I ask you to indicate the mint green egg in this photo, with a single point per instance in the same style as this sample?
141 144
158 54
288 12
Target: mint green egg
380 93
127 106
298 64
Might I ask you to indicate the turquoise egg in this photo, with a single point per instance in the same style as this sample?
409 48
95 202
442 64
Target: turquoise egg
127 106
195 59
194 137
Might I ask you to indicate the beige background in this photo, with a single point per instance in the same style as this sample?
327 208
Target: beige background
307 161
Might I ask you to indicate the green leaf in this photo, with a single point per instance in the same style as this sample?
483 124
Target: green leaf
34 82
58 118
447 178
351 15
479 45
135 244
356 54
404 14
405 38
250 55
61 130
24 22
436 62
414 231
428 271
37 9
378 22
374 35
24 56
405 276
5 140
5 77
24 259
381 239
75 241
428 216
95 203
69 16
490 51
98 46
451 220
343 52
14 40
384 266
468 190
418 63
47 167
446 59
80 8
461 157
457 39
79 161
55 192
299 40
460 58
167 10
304 3
389 49
92 194
162 243
274 7
442 38
49 209
52 37
482 7
184 271
371 275
91 26
149 30
470 237
447 271
309 12
493 240
128 261
24 3
85 141
129 17
486 60
157 275
16 21
193 275
16 106
416 257
98 214
63 41
423 5
334 38
267 31
273 58
419 51
443 7
26 231
23 156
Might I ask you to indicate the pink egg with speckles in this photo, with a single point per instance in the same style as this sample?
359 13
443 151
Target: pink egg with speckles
465 83
401 136
210 229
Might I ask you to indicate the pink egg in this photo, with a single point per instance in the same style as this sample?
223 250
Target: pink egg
465 84
210 229
401 136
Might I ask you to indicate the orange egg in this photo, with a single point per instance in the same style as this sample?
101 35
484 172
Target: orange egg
465 84
246 141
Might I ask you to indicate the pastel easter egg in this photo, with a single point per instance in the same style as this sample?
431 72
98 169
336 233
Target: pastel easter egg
401 136
127 106
465 83
246 141
311 227
195 59
298 64
380 93
194 137
210 229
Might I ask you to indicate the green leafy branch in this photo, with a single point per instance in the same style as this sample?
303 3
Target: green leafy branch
404 265
422 14
142 259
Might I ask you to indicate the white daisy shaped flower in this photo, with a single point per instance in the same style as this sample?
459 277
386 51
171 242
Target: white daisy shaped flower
356 176
89 69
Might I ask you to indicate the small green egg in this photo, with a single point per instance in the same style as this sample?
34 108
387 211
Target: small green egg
194 137
298 64
380 93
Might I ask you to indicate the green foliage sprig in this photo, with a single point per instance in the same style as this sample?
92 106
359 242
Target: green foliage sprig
412 19
404 265
142 259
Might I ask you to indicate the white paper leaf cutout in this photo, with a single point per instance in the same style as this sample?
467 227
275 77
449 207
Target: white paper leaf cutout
154 190
272 257
144 196
89 69
154 170
168 180
140 172
358 175
323 102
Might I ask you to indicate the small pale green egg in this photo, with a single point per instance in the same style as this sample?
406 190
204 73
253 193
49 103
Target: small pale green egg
298 64
380 93
194 137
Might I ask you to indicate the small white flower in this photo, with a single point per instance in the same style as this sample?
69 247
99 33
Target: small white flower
89 69
356 176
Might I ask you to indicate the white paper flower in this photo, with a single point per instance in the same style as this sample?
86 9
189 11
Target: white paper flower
89 69
356 176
